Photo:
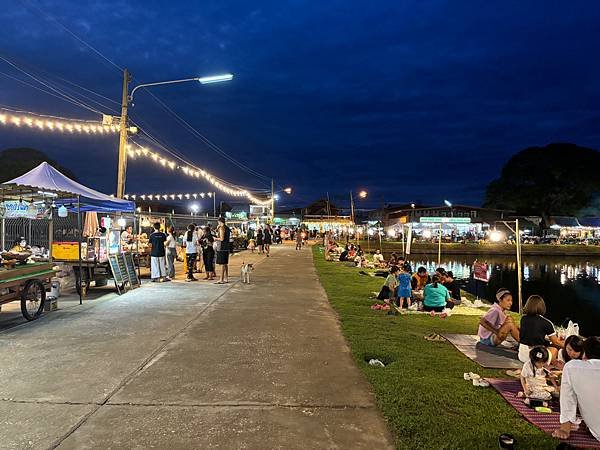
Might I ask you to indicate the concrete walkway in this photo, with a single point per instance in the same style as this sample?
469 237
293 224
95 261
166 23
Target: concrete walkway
191 365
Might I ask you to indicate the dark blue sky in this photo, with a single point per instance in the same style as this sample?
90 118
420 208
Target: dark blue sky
411 100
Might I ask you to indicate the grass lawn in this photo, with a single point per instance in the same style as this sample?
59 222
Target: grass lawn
421 391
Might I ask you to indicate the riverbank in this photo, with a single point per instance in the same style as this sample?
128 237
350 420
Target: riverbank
486 249
421 391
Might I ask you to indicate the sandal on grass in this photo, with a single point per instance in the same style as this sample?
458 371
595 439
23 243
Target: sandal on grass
434 337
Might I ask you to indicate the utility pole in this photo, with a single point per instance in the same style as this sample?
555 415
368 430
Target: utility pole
122 164
351 208
272 201
215 204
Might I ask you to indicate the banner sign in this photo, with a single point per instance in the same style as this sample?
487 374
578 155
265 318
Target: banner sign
14 208
480 271
408 240
445 220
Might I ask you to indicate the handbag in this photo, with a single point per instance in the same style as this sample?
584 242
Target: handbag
384 293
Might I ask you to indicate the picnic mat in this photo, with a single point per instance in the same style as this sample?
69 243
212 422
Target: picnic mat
546 422
501 357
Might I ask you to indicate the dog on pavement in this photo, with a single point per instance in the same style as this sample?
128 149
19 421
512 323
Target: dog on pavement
245 272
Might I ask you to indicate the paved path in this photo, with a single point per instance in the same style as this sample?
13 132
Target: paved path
191 365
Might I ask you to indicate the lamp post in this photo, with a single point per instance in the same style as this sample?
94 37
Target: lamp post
361 194
128 99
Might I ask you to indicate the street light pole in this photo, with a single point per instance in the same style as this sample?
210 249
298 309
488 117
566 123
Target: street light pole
352 208
272 201
127 99
122 164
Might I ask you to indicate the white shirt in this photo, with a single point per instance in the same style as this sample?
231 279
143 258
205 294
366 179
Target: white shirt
171 242
190 246
378 257
580 385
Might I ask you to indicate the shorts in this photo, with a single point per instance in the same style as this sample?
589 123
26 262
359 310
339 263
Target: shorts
489 341
223 257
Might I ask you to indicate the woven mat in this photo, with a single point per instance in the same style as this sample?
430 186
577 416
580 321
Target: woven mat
501 357
547 422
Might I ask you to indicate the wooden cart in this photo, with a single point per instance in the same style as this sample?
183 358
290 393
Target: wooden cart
27 283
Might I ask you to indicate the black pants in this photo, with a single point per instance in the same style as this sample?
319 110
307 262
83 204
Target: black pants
208 254
449 305
191 263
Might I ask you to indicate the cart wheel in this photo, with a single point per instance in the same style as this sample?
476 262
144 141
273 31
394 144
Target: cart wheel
33 298
82 280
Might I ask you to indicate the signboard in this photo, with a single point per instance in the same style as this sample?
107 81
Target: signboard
119 271
114 242
445 220
134 281
480 271
15 208
239 215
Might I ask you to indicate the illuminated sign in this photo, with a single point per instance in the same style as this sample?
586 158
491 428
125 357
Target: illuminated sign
445 220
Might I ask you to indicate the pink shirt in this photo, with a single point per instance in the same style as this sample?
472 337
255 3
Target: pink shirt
496 317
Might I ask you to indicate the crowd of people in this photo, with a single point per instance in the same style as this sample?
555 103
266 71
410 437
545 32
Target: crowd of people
434 293
202 248
546 356
561 365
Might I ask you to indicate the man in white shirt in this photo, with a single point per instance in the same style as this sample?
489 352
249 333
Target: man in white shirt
580 386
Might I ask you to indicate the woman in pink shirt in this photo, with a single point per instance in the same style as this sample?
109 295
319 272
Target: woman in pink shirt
495 325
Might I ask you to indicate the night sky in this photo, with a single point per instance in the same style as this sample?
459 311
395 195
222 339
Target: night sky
412 101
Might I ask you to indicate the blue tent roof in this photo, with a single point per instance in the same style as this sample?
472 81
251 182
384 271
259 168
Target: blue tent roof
46 178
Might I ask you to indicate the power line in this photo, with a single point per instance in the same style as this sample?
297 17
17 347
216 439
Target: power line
80 40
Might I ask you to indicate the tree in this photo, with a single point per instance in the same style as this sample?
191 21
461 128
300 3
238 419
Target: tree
14 162
558 179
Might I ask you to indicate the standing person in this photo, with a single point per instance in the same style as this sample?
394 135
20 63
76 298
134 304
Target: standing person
190 240
199 259
158 270
298 240
404 286
260 240
208 253
171 245
268 239
223 237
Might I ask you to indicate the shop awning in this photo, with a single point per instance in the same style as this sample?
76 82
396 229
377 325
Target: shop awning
46 178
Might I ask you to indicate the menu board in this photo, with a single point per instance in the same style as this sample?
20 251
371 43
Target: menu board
134 281
119 271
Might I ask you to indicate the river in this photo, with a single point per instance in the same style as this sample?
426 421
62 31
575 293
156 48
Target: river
569 285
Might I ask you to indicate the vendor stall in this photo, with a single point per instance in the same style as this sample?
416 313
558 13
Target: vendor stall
46 189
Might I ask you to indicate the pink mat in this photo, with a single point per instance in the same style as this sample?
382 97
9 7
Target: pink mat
546 422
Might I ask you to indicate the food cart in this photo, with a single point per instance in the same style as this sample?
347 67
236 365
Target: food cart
46 194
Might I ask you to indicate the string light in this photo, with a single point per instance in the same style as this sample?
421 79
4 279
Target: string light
59 124
137 151
187 196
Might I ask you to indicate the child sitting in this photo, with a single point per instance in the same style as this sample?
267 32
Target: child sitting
388 290
533 378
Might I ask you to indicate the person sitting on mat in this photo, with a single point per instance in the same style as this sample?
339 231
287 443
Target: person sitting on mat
496 325
580 389
533 377
436 297
388 290
537 330
573 349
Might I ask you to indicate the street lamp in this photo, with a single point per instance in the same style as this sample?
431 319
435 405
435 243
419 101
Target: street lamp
449 205
274 196
128 98
362 194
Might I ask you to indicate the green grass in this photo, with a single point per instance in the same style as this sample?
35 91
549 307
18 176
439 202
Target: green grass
421 391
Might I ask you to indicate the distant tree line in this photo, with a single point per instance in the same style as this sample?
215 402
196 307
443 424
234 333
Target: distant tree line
15 162
558 179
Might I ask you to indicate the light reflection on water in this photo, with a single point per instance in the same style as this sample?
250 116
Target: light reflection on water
570 285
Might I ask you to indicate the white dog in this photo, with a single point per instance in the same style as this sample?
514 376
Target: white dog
245 273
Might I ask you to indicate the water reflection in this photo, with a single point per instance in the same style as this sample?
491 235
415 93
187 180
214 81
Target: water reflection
570 286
